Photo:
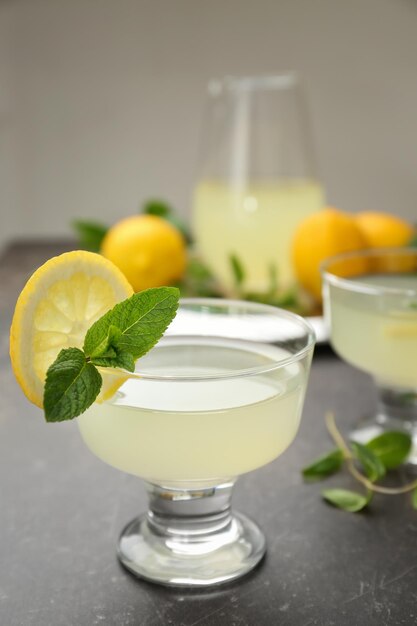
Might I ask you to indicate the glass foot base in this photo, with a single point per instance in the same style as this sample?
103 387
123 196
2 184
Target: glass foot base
192 561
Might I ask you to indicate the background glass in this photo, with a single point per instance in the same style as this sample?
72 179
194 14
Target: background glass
370 303
257 180
219 396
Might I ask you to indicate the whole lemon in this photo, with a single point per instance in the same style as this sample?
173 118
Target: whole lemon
147 249
322 235
384 230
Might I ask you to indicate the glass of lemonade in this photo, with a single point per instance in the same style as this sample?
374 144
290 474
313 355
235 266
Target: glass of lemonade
220 395
257 179
370 302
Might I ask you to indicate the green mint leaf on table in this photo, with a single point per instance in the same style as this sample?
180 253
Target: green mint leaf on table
72 384
90 234
324 466
237 270
384 452
142 320
372 464
347 500
392 448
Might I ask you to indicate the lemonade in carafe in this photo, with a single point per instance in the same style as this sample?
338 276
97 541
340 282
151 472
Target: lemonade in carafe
257 181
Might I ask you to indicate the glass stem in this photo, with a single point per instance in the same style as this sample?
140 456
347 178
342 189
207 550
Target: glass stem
187 515
397 407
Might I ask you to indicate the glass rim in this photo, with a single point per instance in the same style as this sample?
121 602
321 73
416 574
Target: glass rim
309 335
282 80
346 283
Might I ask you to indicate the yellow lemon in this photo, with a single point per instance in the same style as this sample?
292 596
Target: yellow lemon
57 306
382 230
147 249
322 235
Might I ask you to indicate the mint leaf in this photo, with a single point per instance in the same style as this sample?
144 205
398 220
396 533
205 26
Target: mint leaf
324 466
72 384
414 498
372 465
157 207
90 234
392 448
347 500
164 210
273 278
198 280
142 320
121 359
197 270
237 269
106 346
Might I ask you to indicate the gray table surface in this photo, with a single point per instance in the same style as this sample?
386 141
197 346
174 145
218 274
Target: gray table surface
61 511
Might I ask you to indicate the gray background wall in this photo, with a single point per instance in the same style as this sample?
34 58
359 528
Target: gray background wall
101 100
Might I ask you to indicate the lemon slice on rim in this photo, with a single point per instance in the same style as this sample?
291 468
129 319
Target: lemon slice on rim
57 306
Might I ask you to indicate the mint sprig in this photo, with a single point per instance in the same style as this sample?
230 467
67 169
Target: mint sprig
273 295
366 463
121 336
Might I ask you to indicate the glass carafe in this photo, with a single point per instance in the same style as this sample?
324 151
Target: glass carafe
257 180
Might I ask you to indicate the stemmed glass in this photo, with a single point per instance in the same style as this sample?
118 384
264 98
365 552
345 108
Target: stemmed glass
257 179
220 395
370 302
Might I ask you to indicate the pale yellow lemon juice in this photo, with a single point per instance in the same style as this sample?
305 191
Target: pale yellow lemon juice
256 223
378 335
188 430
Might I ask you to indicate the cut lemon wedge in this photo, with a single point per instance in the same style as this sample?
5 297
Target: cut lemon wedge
400 330
57 306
